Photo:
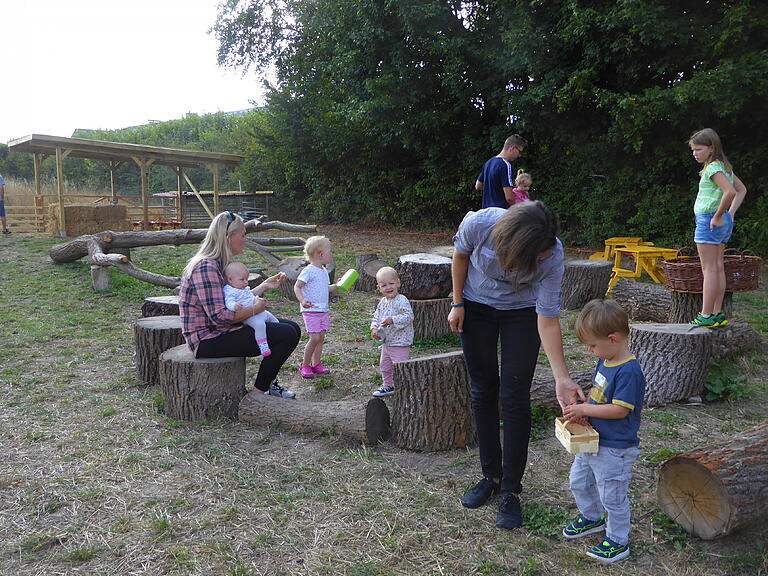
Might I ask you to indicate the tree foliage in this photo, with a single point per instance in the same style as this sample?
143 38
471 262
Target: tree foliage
386 109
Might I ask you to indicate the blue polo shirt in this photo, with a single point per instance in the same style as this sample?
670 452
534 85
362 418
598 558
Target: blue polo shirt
622 384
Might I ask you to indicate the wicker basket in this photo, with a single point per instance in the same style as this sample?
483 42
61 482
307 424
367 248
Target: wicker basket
683 274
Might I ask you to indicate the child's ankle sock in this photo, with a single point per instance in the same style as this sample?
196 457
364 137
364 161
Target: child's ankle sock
264 348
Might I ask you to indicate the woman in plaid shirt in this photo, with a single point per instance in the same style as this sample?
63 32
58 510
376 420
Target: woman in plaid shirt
213 331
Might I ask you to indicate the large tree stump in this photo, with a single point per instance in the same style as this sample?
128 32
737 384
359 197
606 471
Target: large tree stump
363 420
431 407
446 250
160 306
424 276
714 489
153 336
292 267
430 317
675 360
367 265
643 302
733 339
200 388
583 281
685 306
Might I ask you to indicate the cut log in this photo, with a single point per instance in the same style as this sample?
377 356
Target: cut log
100 278
712 490
431 407
153 336
686 305
733 339
367 265
292 267
160 306
200 388
543 388
364 420
446 251
430 317
643 302
424 276
675 360
584 280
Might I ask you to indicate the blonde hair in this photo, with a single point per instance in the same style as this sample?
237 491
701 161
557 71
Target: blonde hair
601 318
524 231
215 245
522 176
234 267
313 245
386 271
708 137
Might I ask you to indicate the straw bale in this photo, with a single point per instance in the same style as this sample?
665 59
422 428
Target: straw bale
88 219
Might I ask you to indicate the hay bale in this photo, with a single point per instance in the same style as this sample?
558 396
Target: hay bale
87 219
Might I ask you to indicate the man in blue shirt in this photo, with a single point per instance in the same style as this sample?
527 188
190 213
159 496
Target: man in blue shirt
497 179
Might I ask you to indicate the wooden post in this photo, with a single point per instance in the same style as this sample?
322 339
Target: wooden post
40 215
714 489
215 171
60 191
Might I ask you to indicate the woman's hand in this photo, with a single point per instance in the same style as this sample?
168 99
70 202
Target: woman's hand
568 392
716 221
456 319
270 283
259 305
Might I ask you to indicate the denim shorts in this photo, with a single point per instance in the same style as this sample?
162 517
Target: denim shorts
316 322
720 235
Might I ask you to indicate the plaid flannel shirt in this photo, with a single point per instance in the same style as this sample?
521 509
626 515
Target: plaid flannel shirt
201 305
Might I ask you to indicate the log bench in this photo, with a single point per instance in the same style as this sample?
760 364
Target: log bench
153 336
200 388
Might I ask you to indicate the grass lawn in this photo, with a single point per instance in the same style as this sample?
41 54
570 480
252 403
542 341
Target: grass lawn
96 480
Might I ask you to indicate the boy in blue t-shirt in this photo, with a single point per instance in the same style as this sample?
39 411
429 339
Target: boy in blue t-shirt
600 482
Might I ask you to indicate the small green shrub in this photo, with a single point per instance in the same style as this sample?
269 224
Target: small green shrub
721 384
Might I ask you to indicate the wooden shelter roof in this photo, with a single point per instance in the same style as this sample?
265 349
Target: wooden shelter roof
116 151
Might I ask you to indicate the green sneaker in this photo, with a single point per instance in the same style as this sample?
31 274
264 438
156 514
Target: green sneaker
609 551
720 319
582 527
705 321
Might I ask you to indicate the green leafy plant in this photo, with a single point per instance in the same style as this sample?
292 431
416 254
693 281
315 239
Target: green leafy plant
721 384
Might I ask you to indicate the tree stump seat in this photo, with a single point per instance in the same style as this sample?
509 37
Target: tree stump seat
675 360
430 317
200 388
160 306
424 276
153 336
583 281
367 265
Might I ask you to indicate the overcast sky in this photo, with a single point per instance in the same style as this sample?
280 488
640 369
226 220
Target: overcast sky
108 64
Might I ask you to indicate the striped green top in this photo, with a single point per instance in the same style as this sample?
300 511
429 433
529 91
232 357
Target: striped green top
708 199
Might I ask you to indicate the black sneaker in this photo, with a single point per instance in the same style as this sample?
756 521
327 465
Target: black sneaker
510 515
6 231
479 495
276 390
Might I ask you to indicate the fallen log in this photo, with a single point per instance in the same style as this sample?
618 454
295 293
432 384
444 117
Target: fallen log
712 490
642 301
675 360
733 339
364 420
584 280
424 276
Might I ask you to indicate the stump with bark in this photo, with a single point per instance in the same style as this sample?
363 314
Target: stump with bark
160 306
446 250
153 336
292 267
424 276
642 301
675 360
583 281
367 265
543 388
712 490
430 317
732 339
364 420
686 305
431 406
200 388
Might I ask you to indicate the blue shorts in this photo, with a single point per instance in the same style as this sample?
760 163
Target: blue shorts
720 235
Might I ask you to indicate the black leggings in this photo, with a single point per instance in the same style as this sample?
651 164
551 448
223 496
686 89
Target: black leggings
283 337
517 329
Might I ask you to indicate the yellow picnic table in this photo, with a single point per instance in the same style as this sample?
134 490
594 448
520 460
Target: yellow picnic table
646 259
618 242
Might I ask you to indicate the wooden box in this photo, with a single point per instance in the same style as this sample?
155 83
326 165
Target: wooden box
576 438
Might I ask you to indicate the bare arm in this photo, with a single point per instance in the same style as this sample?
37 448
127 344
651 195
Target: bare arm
509 195
479 185
459 268
605 411
741 192
729 194
297 289
566 390
259 305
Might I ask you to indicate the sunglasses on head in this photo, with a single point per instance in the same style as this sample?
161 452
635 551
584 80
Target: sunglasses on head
230 217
